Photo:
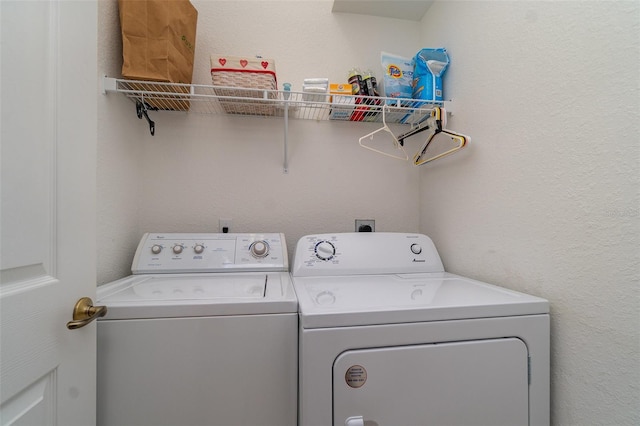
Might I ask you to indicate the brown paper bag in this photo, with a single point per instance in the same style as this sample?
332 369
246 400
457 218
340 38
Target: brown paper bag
158 44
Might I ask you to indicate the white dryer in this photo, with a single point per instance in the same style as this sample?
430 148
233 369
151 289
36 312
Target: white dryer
388 338
203 333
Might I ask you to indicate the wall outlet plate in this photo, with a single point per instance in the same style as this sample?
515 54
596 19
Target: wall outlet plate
224 225
365 225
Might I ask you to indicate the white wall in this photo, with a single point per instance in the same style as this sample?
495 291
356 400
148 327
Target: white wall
546 197
120 157
544 200
199 168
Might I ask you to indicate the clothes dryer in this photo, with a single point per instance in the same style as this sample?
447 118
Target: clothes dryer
203 333
388 338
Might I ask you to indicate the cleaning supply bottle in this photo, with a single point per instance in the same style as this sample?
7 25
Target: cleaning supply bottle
370 83
355 78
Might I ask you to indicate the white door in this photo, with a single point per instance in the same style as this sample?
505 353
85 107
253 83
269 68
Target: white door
48 136
474 383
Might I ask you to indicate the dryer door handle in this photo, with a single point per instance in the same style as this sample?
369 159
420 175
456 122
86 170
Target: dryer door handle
354 421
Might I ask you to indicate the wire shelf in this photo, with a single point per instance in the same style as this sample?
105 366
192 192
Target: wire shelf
204 99
270 103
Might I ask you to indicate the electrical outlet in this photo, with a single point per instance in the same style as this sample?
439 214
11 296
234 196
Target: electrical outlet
365 225
224 225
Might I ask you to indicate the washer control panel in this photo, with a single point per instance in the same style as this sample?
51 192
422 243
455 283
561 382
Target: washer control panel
365 253
186 252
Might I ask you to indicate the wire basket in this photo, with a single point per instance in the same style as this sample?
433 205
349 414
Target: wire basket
245 73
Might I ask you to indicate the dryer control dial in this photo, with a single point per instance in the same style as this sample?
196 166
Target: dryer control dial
198 248
416 248
156 249
177 249
259 249
325 250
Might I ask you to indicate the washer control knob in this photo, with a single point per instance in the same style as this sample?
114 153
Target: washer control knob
259 248
177 249
198 248
325 250
416 248
156 249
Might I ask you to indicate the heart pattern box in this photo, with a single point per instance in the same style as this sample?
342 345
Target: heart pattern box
239 77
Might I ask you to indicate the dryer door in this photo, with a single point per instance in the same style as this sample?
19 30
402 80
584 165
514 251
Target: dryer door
475 383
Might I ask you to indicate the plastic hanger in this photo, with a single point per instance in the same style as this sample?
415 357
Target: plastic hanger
386 129
458 139
436 121
436 124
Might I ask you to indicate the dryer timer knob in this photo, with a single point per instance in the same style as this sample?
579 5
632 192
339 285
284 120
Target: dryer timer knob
416 248
325 250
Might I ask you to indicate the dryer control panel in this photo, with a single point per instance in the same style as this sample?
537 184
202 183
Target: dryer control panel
173 253
358 253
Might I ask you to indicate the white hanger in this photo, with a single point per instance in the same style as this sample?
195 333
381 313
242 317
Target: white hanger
384 128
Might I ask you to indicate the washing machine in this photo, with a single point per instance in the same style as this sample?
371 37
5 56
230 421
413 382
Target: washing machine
387 337
204 332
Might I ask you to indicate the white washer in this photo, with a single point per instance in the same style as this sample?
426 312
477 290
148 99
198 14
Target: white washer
203 333
387 337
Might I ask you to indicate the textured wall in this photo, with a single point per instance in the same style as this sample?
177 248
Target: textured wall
119 159
546 198
198 168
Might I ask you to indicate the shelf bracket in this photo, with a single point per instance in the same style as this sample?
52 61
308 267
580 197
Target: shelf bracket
286 95
286 142
108 85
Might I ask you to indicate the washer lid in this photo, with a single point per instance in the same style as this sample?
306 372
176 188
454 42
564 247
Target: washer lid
388 299
190 295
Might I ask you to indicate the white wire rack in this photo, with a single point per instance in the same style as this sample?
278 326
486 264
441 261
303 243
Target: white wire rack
205 99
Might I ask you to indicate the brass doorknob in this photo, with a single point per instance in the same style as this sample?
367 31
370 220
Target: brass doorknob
84 312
